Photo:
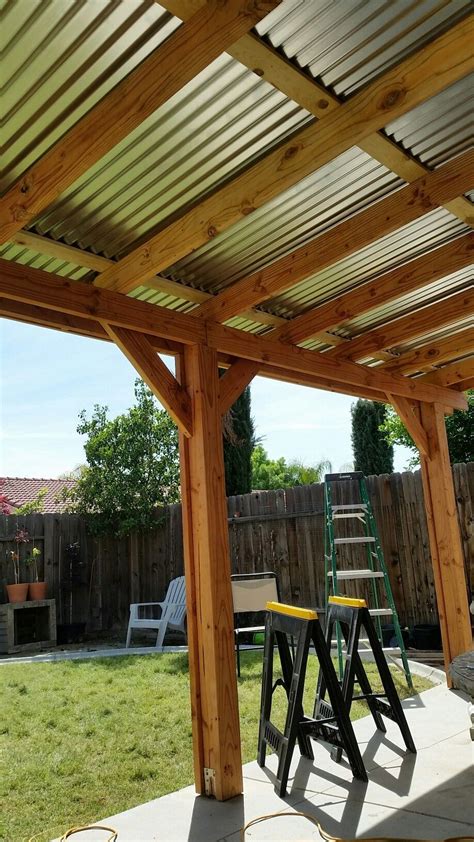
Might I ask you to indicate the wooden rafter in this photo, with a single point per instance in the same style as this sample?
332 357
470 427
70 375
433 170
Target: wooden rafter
377 291
392 94
185 53
141 354
33 286
234 381
434 352
451 374
271 65
376 221
447 311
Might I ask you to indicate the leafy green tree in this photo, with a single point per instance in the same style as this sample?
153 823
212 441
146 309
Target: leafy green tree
239 442
132 466
373 454
459 430
270 474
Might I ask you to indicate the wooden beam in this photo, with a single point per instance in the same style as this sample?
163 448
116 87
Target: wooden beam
426 319
315 381
247 346
376 221
234 381
452 374
407 412
183 55
392 94
413 275
61 251
445 541
33 286
464 385
141 354
434 352
206 540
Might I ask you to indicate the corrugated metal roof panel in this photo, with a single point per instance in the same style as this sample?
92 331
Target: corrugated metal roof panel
334 192
346 44
434 335
434 229
439 128
429 294
219 123
59 58
28 257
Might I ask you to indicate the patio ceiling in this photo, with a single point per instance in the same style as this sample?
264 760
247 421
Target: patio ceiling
281 188
278 256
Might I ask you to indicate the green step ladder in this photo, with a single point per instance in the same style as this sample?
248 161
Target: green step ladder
369 541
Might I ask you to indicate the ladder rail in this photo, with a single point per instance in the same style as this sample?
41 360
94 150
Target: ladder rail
361 511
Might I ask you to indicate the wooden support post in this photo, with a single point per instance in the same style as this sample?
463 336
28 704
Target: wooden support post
445 539
216 732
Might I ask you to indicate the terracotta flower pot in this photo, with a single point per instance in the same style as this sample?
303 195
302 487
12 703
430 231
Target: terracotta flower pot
17 593
37 590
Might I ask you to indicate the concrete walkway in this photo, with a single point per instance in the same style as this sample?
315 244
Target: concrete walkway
429 795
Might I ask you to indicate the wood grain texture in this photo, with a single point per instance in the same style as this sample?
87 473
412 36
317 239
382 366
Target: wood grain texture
445 539
434 352
141 354
207 543
437 315
451 374
234 381
376 221
406 411
232 342
413 275
392 94
183 55
34 286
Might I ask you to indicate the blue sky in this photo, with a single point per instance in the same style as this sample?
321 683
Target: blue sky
48 377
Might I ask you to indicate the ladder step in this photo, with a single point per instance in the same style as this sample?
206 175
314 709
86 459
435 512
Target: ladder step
345 515
365 539
380 612
346 506
358 574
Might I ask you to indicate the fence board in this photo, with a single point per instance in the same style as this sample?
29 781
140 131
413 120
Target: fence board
268 530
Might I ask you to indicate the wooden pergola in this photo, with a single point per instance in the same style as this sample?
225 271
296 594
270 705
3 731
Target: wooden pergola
251 267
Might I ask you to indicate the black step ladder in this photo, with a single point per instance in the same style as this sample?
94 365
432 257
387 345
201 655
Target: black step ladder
336 569
336 729
352 615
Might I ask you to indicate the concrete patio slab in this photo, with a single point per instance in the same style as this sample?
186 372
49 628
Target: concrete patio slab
427 795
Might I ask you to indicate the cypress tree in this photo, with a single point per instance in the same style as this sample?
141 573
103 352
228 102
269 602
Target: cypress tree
239 442
372 453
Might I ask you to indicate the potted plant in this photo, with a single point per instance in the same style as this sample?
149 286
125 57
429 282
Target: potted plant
17 592
36 589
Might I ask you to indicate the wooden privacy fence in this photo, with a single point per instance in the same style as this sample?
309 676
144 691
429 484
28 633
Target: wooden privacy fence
94 580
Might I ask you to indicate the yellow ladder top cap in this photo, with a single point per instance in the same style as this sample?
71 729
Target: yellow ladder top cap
292 611
348 600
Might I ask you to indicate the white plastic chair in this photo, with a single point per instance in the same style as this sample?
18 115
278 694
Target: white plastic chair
172 615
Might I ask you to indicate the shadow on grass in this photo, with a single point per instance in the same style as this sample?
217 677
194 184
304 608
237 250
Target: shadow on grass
169 663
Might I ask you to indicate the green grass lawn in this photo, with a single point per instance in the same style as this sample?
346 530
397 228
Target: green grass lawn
82 740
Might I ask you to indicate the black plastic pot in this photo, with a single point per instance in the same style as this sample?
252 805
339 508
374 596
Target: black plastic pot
389 638
427 636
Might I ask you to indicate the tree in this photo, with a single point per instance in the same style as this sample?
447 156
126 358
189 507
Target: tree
239 442
132 466
459 430
271 474
373 454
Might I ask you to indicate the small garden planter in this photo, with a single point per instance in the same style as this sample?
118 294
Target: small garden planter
17 592
37 590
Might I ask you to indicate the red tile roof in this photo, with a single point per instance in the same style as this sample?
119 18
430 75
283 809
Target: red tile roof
20 490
